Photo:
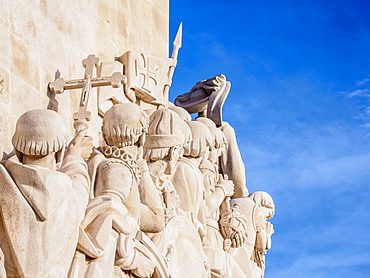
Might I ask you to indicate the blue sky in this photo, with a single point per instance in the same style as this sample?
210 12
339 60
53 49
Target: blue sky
300 105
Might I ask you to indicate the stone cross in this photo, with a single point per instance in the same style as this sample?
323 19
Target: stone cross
148 74
86 84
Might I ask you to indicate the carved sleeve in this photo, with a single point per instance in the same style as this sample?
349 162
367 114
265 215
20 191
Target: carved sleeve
76 168
258 219
114 178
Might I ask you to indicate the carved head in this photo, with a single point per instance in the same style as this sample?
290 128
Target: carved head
165 132
218 144
264 200
185 117
39 133
124 125
201 142
207 121
183 114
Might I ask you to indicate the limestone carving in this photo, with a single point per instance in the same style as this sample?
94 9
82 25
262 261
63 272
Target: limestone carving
207 98
244 232
201 97
160 196
43 198
162 149
217 193
150 76
263 242
250 231
180 240
82 116
188 180
123 207
59 85
1 84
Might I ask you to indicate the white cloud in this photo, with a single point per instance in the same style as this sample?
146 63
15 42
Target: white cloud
330 264
367 126
308 157
363 82
337 172
357 93
323 249
361 98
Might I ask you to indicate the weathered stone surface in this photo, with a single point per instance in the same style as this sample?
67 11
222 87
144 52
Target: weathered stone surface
43 39
139 189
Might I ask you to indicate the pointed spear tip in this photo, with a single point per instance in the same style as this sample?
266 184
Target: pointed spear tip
178 39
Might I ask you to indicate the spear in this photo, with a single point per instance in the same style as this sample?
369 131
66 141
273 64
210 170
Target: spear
175 52
177 44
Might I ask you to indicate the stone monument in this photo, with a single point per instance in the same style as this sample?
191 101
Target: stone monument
102 176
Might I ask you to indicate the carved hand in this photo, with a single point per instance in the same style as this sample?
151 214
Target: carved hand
81 145
269 229
237 239
146 268
227 186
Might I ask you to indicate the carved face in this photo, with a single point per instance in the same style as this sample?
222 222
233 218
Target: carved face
175 153
267 212
213 156
215 153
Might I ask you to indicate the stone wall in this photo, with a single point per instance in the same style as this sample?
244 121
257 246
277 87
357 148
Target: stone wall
44 39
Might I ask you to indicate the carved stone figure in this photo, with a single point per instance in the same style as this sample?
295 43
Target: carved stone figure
43 198
250 245
162 149
207 98
185 117
183 114
187 178
152 200
266 204
217 191
126 203
180 240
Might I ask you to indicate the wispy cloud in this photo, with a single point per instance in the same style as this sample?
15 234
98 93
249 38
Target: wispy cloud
311 156
323 237
334 244
363 82
360 98
357 93
367 126
331 264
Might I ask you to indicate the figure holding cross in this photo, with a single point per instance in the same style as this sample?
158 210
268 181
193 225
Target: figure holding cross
82 116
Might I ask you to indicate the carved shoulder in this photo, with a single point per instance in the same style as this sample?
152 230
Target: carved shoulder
114 177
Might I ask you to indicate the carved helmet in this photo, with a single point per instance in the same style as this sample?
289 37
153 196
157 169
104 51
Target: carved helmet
165 130
40 132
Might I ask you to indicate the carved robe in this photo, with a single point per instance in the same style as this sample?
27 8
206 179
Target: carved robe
220 263
256 221
213 242
41 211
108 233
188 182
